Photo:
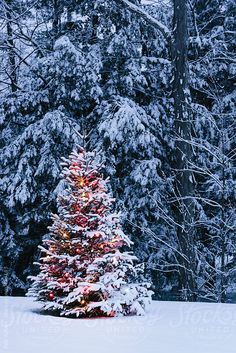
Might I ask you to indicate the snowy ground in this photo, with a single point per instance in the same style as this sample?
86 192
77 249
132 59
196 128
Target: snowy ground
169 327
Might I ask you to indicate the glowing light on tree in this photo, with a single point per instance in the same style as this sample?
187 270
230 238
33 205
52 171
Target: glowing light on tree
83 270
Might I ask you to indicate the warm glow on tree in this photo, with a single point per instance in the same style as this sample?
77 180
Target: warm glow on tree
84 273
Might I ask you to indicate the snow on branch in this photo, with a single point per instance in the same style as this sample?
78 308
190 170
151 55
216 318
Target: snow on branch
150 19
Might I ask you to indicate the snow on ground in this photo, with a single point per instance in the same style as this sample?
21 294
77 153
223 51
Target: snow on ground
168 327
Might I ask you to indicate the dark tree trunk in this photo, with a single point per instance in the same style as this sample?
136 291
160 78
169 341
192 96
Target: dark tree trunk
11 48
94 38
184 186
56 21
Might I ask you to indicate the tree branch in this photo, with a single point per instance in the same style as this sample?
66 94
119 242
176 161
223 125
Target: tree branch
148 18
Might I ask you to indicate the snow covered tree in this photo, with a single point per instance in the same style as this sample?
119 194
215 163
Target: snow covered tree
160 105
130 137
38 124
130 122
84 271
213 142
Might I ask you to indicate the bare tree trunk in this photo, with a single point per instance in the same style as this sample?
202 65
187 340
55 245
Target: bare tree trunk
56 21
184 186
11 47
94 37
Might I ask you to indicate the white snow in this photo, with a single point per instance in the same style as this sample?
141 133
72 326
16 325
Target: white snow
169 327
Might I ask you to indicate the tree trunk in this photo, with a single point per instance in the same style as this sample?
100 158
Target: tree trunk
56 21
11 47
184 186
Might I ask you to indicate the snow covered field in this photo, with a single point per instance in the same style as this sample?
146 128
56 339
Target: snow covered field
169 327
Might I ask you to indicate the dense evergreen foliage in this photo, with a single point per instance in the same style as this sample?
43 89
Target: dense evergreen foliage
108 69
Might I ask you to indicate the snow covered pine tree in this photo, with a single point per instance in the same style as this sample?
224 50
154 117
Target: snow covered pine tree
83 272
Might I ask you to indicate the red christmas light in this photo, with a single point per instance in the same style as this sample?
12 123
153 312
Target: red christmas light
51 295
86 290
80 235
96 235
112 314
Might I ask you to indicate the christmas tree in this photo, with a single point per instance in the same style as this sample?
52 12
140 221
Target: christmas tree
84 270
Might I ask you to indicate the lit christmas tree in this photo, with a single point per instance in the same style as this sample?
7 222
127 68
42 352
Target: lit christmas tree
83 271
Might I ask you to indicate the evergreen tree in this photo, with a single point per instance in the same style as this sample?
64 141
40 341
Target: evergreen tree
38 125
84 272
132 125
111 68
103 60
